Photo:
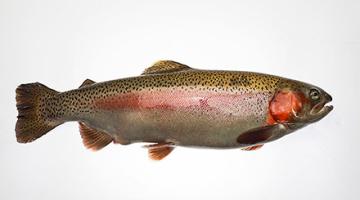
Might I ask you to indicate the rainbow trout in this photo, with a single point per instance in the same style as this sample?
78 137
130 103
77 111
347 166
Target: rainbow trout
171 104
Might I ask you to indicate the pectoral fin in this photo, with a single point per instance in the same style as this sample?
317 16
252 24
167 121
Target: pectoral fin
253 148
263 134
160 150
165 66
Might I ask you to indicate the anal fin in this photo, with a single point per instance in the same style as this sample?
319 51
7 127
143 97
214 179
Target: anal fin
94 139
253 148
160 150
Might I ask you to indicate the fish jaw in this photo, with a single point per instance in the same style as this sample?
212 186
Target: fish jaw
316 116
317 112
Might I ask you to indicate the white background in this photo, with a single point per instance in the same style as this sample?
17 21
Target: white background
61 43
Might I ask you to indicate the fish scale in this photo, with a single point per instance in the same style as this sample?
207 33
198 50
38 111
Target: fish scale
172 104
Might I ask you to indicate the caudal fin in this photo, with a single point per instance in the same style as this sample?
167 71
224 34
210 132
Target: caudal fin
32 121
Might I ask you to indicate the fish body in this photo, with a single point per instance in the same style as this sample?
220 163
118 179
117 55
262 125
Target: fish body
172 104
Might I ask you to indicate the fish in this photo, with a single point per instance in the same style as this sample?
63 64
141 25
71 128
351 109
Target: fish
171 104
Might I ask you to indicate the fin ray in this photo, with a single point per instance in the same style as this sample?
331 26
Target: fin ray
94 139
87 82
165 66
253 148
263 134
32 120
160 150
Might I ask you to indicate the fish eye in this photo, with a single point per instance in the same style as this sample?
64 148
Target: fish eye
314 94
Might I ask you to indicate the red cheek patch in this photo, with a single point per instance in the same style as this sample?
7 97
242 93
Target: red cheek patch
284 105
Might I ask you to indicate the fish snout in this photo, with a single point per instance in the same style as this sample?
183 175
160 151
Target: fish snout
328 97
321 109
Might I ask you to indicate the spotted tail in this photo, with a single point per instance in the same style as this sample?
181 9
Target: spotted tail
32 120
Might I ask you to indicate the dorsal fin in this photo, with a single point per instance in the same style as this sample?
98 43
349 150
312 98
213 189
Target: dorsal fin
160 150
94 139
165 66
87 82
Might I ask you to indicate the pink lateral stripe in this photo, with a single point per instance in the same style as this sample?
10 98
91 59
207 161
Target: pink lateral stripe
168 100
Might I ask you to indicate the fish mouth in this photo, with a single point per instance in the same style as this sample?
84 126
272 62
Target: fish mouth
321 109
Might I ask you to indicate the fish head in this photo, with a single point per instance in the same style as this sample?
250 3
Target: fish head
299 102
315 103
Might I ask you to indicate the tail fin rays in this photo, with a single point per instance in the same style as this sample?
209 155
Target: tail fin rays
32 121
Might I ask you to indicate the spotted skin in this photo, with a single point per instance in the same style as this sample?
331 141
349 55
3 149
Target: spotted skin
172 103
83 100
178 109
33 111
